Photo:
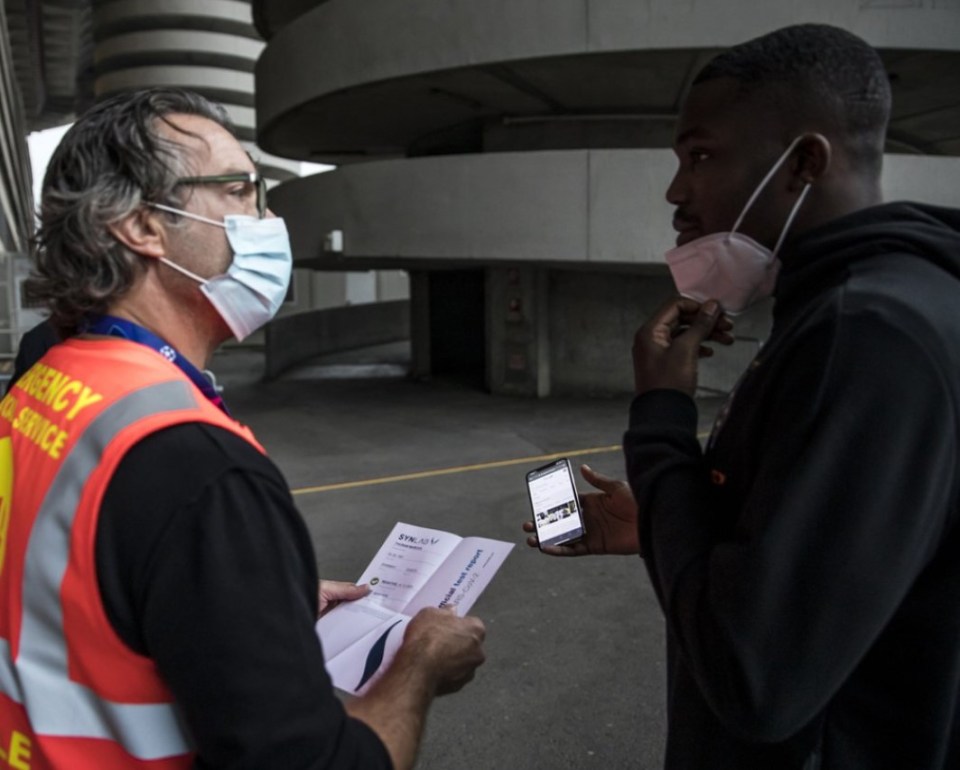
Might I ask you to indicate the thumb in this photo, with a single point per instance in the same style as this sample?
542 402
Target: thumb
598 480
356 592
335 590
703 324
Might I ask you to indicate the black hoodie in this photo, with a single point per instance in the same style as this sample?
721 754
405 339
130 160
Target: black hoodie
808 562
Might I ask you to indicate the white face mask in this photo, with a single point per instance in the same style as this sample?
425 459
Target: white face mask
732 268
251 291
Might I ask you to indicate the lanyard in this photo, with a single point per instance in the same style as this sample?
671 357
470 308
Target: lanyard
120 327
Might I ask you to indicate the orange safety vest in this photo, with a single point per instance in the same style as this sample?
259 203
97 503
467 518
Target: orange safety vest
72 694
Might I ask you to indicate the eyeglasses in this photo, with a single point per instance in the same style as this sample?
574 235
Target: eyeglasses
248 177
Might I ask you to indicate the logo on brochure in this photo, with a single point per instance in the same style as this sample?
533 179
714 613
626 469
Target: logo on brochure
418 540
375 656
374 581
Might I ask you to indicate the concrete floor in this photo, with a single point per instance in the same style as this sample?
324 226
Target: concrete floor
575 674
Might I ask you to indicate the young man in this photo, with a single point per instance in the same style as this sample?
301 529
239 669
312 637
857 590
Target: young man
808 560
158 589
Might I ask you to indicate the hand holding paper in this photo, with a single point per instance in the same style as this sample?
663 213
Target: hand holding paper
332 592
454 645
415 568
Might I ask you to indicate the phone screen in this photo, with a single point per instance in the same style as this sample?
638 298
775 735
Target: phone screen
556 508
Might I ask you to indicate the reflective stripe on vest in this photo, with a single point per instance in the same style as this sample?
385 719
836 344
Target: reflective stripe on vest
39 679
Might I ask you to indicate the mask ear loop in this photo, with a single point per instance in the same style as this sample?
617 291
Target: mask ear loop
187 214
183 270
766 180
793 214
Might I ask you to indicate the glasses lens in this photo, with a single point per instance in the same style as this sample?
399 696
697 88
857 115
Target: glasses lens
258 182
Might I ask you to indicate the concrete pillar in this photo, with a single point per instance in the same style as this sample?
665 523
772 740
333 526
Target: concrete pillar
392 284
361 287
419 324
518 330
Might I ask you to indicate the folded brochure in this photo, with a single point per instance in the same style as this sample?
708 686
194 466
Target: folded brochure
416 567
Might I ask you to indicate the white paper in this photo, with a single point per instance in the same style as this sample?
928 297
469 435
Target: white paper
416 567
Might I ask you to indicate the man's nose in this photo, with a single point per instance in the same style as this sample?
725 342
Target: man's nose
677 191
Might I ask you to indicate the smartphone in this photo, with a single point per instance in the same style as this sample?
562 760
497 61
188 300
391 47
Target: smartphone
555 504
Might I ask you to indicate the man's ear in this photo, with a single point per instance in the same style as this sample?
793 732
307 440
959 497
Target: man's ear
141 232
812 159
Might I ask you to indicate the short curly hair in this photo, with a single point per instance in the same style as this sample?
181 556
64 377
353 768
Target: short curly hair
109 162
821 72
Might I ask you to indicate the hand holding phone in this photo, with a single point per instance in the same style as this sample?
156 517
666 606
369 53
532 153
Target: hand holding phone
555 503
610 520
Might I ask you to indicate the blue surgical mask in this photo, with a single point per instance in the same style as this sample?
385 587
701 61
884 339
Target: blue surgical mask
251 291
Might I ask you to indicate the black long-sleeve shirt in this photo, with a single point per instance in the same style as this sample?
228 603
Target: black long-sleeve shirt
808 562
206 567
33 345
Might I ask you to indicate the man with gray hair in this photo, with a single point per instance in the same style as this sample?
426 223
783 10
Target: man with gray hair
158 588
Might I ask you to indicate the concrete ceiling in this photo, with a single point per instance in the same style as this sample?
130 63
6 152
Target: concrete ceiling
926 101
270 16
617 99
590 100
52 45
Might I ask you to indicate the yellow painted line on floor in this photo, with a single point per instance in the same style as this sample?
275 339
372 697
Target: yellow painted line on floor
460 469
457 469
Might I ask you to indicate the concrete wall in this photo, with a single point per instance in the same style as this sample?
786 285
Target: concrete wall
592 206
922 178
392 284
329 288
562 332
597 206
296 338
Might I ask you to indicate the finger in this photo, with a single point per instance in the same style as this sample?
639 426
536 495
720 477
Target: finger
455 685
533 541
466 679
724 338
686 305
702 325
566 550
528 526
336 590
668 316
689 308
724 323
671 320
597 479
678 330
352 591
477 627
